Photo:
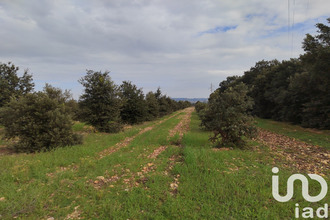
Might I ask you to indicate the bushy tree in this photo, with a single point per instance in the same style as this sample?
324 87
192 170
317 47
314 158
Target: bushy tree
186 104
57 94
269 82
284 108
171 105
11 85
296 90
199 106
316 110
258 78
163 106
182 105
65 98
152 106
164 102
73 105
39 122
133 109
227 115
100 102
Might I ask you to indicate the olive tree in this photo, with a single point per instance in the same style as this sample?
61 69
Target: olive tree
152 106
100 102
133 109
38 122
226 115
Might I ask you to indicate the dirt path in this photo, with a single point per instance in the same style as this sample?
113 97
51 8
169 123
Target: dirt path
112 149
300 155
122 144
132 180
128 140
183 126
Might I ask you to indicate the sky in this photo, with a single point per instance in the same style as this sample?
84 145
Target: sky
181 46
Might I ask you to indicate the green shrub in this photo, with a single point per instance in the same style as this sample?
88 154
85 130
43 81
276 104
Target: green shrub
199 106
152 106
100 104
134 108
226 115
38 122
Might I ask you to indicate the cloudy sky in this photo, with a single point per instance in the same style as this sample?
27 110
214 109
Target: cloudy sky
180 45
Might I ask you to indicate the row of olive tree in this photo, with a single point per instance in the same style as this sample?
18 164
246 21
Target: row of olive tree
38 121
107 106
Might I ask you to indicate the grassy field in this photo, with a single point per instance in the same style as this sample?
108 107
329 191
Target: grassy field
157 170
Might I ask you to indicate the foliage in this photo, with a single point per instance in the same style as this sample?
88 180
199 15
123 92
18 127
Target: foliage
57 94
269 82
259 77
105 105
166 104
164 107
152 106
316 109
226 115
160 105
133 109
38 122
63 98
296 90
11 85
199 106
100 102
183 105
73 105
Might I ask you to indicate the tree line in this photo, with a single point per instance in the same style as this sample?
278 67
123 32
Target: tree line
43 120
295 90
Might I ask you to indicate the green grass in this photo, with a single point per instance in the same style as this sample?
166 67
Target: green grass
233 184
78 126
28 190
312 136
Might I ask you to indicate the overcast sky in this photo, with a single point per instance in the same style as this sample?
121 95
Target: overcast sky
180 45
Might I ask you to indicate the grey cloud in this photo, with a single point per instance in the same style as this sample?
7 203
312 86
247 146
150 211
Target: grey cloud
151 42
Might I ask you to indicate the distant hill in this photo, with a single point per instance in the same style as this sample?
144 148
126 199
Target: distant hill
192 100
